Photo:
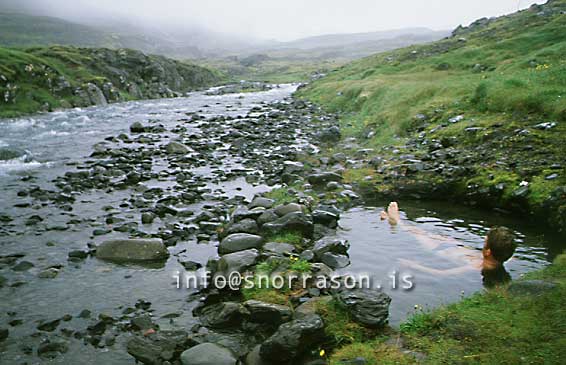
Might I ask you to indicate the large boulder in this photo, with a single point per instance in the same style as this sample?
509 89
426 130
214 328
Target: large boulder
332 245
239 242
272 314
236 262
133 250
247 225
367 307
292 339
293 222
285 209
222 315
208 354
157 348
176 148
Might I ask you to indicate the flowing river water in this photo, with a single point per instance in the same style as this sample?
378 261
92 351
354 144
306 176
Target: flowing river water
55 143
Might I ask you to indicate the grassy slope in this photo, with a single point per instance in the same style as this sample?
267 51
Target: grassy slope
504 77
494 327
79 66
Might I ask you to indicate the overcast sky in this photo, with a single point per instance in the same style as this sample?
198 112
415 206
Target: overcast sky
282 19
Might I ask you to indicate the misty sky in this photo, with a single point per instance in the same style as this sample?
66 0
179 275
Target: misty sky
280 19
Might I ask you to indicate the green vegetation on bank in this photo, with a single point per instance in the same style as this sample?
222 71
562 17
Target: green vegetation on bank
46 78
499 326
481 114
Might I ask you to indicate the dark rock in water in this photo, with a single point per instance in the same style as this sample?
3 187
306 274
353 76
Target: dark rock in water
8 153
325 218
96 329
137 127
292 222
330 244
262 202
158 348
133 250
324 178
237 262
4 333
142 323
367 307
177 148
190 265
49 273
3 281
78 254
22 266
335 261
272 314
52 348
208 354
292 339
531 287
222 315
239 242
85 313
147 218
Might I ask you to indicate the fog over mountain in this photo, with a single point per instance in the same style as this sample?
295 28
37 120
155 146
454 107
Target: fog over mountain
252 20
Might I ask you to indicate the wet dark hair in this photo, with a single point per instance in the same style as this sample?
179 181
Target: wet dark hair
501 243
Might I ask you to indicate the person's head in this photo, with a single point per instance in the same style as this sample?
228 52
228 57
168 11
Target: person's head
499 244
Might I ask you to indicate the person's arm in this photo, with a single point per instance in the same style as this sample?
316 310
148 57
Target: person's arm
453 271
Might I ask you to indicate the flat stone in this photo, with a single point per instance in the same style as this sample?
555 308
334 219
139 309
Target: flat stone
133 250
208 354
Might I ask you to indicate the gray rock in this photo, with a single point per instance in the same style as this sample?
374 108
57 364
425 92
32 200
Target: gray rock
157 348
242 212
208 354
141 323
307 255
285 209
52 348
176 148
531 287
239 242
4 333
335 261
292 222
330 244
272 314
267 216
147 218
237 262
23 266
49 273
247 225
325 218
133 250
262 202
223 315
309 307
330 135
190 265
292 339
137 127
367 307
324 178
278 248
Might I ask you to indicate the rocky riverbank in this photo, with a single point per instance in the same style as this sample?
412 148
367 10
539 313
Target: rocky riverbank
44 79
165 175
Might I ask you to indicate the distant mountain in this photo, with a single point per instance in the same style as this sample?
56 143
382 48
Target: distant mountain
340 40
27 30
350 46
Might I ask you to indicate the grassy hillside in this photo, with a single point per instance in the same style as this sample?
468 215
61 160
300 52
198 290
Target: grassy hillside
57 77
521 324
480 115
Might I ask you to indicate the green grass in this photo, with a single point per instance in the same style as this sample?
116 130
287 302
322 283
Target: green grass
339 325
505 77
30 77
493 327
